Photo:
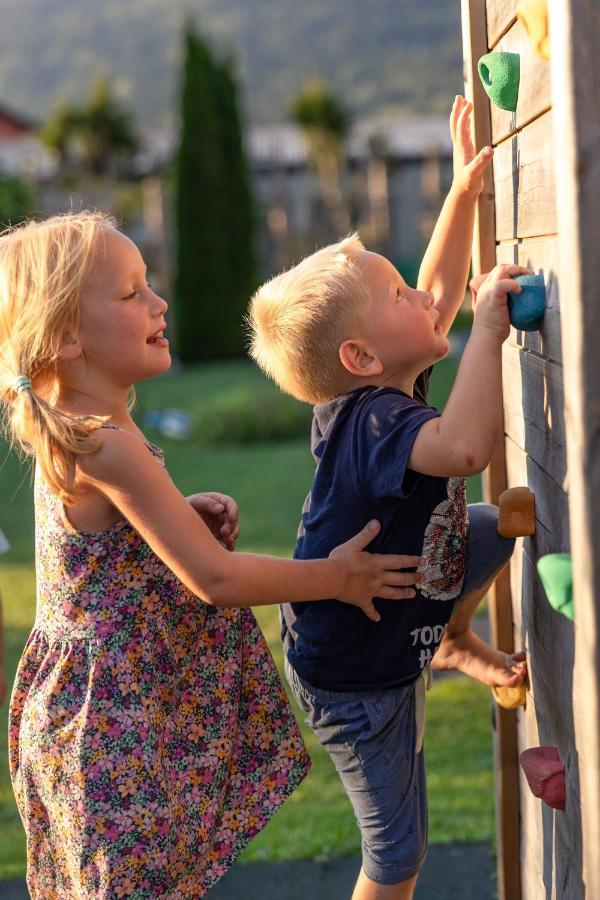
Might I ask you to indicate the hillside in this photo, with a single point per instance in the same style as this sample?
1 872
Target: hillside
381 56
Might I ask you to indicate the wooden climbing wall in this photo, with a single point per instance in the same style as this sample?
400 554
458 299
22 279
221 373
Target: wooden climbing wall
539 209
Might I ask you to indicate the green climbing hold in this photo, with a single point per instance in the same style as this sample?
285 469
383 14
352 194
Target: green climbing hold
556 574
500 73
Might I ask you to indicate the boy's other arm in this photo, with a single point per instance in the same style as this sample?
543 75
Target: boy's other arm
462 439
445 266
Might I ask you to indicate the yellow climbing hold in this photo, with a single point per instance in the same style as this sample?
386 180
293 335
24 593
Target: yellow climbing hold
534 16
510 697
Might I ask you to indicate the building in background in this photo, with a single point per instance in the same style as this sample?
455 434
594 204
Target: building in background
396 174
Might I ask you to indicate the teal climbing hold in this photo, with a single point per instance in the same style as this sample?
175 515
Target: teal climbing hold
556 574
500 73
526 310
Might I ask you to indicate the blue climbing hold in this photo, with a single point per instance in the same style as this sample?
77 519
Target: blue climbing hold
526 310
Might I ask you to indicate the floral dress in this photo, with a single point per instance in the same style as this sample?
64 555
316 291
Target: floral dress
150 737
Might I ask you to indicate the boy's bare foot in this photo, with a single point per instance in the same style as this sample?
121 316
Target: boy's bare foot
467 653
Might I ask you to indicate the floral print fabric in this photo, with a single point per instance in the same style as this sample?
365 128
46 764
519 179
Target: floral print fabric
150 736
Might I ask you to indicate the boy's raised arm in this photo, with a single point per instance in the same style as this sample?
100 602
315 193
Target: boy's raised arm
445 266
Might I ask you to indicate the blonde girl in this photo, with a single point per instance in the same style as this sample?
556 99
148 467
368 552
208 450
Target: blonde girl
150 737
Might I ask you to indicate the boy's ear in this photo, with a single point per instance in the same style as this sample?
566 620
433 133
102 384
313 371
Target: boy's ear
70 347
357 359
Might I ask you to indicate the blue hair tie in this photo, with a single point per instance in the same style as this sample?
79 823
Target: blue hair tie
22 383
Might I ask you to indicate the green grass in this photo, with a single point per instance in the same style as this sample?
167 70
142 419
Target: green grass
269 482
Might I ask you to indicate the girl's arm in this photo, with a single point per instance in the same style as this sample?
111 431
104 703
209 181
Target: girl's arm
124 472
445 266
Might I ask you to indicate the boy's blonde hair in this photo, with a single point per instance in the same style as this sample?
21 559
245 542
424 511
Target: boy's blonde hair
298 320
43 268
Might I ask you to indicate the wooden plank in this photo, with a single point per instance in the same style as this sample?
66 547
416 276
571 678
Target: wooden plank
551 503
540 254
524 182
575 37
474 46
484 252
534 409
550 864
535 95
500 16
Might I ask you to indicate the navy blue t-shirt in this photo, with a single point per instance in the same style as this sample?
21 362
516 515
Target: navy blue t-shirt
361 443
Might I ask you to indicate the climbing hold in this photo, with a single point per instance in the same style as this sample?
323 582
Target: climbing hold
500 73
545 774
556 574
517 512
534 16
510 697
526 309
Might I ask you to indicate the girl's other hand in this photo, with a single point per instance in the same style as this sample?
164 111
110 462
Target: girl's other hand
220 513
369 575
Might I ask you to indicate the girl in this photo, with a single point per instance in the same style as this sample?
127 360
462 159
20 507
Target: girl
150 737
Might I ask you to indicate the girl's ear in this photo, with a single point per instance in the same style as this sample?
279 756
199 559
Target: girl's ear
70 347
357 359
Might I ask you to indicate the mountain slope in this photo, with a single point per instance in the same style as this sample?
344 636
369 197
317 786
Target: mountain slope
382 55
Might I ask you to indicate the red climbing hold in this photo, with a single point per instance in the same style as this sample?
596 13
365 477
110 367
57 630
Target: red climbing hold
545 775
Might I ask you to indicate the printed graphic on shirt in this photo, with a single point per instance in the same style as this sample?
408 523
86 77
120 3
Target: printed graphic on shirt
429 637
445 545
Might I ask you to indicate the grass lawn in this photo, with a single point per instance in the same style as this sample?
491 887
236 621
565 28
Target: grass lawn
269 482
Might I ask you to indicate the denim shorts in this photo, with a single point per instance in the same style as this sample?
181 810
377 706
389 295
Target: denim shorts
373 737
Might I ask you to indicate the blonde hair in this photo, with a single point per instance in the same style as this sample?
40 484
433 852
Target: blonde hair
298 320
43 268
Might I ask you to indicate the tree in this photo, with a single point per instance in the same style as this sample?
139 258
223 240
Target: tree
99 136
17 199
215 271
325 122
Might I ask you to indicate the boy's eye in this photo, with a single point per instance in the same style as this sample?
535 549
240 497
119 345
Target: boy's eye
400 295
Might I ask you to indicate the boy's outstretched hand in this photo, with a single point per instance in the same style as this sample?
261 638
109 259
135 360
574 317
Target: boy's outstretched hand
469 165
368 575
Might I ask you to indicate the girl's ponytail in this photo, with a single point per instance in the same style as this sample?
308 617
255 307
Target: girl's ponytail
43 267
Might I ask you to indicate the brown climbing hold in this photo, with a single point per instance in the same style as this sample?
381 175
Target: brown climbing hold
510 697
545 775
517 512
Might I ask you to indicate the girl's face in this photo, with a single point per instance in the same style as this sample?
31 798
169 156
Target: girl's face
122 319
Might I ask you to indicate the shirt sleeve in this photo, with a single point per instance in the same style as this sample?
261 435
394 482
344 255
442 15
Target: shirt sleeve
385 433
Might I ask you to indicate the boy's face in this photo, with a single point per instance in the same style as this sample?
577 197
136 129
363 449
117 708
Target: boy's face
401 328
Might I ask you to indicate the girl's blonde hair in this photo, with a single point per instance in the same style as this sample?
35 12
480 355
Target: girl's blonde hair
43 268
298 320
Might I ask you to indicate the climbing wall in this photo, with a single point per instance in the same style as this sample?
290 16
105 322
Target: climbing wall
518 222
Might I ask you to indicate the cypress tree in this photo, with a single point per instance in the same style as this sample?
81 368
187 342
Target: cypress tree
214 255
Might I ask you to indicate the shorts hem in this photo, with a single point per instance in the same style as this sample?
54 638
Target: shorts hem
388 875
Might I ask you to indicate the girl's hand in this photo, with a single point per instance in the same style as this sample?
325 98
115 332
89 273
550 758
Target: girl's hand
491 310
369 575
469 165
220 513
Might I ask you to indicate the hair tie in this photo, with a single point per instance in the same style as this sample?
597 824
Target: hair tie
21 383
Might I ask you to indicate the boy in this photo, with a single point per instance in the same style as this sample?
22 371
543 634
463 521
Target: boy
343 330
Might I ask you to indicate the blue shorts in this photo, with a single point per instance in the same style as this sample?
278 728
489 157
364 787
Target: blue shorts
372 737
